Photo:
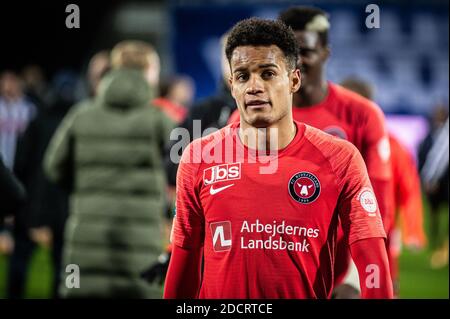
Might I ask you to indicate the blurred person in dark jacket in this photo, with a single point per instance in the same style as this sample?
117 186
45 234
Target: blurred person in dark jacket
42 217
16 111
109 156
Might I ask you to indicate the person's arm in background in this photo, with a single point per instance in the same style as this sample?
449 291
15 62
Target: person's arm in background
363 226
12 197
57 163
377 157
12 192
184 273
165 128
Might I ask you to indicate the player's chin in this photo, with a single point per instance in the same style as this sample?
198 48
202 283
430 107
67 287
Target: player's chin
259 120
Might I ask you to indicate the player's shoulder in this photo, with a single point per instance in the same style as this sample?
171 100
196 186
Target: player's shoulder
209 141
331 147
355 102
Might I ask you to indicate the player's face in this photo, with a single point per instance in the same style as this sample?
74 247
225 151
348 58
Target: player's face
262 84
313 55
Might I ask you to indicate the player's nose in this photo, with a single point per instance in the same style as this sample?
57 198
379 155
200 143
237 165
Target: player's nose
255 85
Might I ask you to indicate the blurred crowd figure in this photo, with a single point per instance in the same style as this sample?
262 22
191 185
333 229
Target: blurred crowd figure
175 97
16 111
434 164
41 219
108 154
35 85
98 200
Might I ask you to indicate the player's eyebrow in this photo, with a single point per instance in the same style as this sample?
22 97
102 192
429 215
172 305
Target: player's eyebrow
268 65
260 66
240 69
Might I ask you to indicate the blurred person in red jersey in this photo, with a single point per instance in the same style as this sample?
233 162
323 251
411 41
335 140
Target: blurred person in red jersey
175 97
339 112
269 231
407 213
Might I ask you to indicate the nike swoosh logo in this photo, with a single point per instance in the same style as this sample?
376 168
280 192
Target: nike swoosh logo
213 191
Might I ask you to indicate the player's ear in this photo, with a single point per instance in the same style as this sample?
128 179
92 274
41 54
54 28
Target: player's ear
296 80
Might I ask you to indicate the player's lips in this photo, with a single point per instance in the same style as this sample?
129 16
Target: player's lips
257 104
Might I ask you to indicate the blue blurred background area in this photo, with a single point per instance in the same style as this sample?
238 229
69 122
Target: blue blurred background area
406 58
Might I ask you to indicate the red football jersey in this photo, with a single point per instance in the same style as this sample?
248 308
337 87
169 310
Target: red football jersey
358 120
272 235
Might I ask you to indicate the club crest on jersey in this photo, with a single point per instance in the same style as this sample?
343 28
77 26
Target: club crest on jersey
304 187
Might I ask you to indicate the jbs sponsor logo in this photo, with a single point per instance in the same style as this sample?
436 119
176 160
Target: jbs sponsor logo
221 173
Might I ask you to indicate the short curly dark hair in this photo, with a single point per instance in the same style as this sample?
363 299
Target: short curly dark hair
299 18
262 32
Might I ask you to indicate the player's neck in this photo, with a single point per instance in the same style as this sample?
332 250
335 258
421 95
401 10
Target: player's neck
272 138
311 94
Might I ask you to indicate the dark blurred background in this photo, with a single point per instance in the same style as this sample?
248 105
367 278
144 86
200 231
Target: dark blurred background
406 59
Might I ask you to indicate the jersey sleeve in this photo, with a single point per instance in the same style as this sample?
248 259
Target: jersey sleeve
188 227
357 207
376 153
376 149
